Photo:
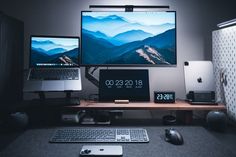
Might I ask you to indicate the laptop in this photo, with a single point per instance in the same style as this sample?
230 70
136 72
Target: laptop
199 77
54 64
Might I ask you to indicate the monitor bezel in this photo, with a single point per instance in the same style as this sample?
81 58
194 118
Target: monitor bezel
126 65
54 36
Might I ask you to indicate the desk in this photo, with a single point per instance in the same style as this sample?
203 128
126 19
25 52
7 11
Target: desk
178 105
198 142
183 108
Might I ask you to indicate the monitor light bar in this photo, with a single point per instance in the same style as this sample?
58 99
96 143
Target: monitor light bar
227 23
130 8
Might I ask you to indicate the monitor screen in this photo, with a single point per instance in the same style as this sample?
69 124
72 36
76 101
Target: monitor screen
54 51
128 38
125 84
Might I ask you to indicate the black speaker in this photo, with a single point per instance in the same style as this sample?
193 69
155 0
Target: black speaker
217 120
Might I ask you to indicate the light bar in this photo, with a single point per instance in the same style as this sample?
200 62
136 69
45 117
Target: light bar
130 7
227 23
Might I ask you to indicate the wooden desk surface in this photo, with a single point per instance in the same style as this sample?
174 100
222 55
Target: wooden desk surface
178 105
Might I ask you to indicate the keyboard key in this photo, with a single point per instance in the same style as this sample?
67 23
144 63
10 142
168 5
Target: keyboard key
54 74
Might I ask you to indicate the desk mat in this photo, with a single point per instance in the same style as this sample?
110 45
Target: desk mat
198 142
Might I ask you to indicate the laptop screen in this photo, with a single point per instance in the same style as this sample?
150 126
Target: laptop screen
51 51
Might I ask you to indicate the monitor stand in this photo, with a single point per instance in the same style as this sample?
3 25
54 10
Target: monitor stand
67 101
89 75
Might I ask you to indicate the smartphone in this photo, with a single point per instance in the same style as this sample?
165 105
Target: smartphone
101 150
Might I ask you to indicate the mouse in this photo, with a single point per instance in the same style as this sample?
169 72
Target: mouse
173 136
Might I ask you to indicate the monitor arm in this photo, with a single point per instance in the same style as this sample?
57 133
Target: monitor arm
89 75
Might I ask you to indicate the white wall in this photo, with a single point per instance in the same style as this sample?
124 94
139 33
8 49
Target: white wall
195 21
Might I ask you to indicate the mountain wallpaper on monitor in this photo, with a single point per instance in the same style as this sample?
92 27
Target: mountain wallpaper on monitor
129 38
48 51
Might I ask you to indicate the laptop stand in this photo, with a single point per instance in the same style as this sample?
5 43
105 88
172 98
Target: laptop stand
67 101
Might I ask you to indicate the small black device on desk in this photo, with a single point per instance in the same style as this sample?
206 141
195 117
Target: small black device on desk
201 97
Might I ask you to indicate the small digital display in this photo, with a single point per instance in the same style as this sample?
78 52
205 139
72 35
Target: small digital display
164 97
132 85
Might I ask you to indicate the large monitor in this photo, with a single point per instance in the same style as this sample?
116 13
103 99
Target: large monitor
128 38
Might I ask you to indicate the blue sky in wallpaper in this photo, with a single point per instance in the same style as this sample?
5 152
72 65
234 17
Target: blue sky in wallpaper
47 43
150 22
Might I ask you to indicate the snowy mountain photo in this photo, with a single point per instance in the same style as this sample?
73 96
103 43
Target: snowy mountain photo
49 50
128 38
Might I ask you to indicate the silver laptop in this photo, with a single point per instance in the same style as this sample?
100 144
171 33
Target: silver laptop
54 64
199 76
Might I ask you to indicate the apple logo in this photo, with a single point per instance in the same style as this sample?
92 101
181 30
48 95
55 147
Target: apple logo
199 80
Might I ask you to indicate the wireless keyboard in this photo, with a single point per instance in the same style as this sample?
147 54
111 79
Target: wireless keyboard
100 135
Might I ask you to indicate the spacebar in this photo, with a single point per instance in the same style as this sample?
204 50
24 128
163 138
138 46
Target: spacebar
52 78
91 140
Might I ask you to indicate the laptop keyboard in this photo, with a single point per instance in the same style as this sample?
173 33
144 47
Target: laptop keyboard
54 74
